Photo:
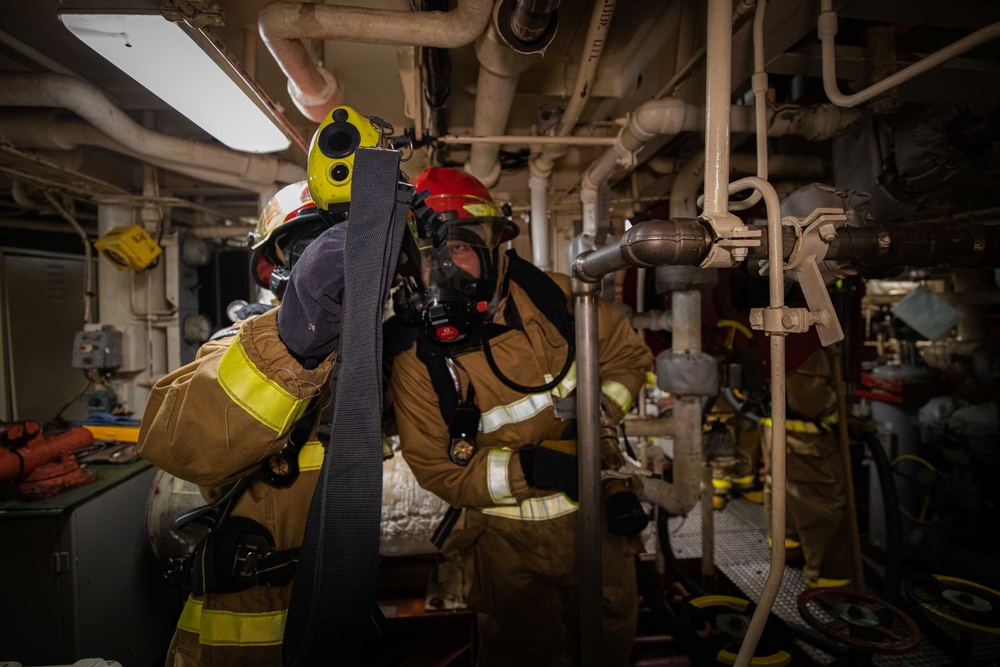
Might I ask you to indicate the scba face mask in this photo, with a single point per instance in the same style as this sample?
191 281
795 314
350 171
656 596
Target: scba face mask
459 278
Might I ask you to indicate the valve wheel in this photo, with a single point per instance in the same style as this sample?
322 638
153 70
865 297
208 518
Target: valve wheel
963 605
858 621
728 619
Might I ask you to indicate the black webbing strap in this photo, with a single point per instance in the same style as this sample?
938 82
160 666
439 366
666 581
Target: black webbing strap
334 592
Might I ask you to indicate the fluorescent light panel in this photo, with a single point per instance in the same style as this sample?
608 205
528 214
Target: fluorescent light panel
166 60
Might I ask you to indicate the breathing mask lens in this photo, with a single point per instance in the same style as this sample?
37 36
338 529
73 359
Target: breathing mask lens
454 276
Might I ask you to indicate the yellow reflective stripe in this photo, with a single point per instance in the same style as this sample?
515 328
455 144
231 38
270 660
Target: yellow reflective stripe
823 582
568 383
255 393
216 627
536 509
498 479
618 393
311 456
779 659
722 484
514 413
799 426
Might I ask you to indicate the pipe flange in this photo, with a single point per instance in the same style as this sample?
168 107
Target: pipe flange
503 20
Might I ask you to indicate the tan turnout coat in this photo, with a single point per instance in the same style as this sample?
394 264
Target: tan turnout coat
213 422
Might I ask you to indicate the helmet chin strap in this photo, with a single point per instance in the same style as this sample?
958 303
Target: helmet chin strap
570 355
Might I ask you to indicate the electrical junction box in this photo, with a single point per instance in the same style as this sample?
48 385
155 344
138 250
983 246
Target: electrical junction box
97 349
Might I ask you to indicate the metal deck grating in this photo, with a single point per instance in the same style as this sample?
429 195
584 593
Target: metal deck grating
742 554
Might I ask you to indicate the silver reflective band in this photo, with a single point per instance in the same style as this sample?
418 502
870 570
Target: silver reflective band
536 509
499 481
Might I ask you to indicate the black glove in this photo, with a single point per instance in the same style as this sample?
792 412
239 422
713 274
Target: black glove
309 314
546 467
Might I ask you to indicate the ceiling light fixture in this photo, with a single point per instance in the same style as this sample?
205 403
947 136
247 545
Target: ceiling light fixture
185 69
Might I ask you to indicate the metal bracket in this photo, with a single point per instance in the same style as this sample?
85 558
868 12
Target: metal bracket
731 240
194 13
813 235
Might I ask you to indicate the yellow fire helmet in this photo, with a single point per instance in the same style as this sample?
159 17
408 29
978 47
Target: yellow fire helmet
331 156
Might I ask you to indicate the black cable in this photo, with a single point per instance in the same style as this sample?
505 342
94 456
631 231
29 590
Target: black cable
893 519
663 535
570 358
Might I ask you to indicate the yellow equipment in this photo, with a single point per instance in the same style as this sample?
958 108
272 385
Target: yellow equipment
128 248
331 154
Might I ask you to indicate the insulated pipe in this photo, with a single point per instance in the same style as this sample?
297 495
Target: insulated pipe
686 339
892 244
826 27
85 100
500 68
283 26
588 406
649 243
63 132
776 277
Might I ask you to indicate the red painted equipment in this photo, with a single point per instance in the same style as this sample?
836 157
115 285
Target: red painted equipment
42 466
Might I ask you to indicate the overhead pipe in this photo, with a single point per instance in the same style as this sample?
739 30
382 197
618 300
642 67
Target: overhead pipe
540 165
314 90
500 69
670 116
826 27
759 85
59 131
530 19
85 100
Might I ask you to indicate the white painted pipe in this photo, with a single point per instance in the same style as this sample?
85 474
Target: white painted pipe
86 101
88 266
718 78
668 116
539 188
283 26
684 189
776 277
681 495
759 84
527 140
61 132
540 166
500 69
826 27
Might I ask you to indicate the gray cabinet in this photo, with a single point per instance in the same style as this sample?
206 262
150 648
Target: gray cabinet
77 579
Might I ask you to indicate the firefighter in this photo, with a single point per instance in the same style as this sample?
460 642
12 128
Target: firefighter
241 421
483 405
817 522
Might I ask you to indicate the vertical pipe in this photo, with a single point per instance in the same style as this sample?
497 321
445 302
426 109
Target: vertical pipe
685 306
588 401
717 95
539 188
777 345
707 528
500 68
